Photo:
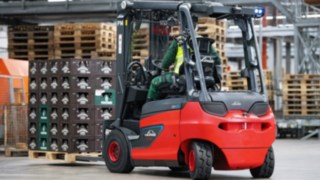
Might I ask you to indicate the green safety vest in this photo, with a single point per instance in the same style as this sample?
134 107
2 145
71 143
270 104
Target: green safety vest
179 60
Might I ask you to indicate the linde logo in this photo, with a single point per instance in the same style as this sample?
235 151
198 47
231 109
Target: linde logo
236 103
207 60
150 133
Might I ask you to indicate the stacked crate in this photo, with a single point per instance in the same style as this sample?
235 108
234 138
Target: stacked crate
140 45
68 103
236 82
85 40
301 95
28 42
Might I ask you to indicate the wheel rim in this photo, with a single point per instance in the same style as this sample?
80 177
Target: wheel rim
191 161
114 151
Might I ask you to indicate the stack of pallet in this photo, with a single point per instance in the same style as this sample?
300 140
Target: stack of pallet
301 95
28 42
85 40
236 82
215 29
140 45
268 80
69 100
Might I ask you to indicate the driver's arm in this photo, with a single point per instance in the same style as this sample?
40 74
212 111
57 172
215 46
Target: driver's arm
170 55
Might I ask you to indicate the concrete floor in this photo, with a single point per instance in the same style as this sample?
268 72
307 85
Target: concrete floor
295 160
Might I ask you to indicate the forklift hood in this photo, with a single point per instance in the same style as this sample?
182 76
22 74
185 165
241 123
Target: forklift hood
248 102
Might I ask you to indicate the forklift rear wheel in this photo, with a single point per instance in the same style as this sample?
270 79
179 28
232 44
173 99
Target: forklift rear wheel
200 160
266 169
116 153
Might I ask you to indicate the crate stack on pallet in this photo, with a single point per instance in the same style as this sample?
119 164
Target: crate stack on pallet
27 42
301 95
140 45
85 40
69 100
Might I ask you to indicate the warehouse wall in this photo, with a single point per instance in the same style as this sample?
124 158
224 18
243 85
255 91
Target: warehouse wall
3 42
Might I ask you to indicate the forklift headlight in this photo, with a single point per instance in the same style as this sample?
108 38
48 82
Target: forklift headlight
214 108
259 12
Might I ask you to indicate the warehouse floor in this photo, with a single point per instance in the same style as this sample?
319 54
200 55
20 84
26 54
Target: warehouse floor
295 160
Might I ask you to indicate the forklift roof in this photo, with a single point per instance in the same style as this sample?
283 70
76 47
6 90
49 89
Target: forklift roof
211 9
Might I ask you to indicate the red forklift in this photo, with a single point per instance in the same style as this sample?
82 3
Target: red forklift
195 126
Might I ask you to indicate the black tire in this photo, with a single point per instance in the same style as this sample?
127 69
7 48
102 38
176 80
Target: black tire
116 153
179 169
266 169
203 159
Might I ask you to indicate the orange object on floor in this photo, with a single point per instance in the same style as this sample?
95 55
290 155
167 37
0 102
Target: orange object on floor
18 71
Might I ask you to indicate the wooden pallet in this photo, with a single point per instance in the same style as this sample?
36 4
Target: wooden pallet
60 156
206 20
84 46
27 28
84 26
18 149
104 54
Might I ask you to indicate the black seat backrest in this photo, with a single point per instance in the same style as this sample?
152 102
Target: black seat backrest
204 45
207 58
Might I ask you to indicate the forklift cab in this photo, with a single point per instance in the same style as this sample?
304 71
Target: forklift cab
199 77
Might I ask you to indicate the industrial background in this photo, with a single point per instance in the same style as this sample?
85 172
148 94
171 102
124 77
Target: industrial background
45 43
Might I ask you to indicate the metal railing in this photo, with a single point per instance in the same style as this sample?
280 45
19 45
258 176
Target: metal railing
15 124
300 10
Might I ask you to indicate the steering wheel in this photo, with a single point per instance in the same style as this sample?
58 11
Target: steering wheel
157 63
136 74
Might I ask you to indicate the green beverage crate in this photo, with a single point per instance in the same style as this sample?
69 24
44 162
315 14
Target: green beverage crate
105 97
44 114
43 129
43 144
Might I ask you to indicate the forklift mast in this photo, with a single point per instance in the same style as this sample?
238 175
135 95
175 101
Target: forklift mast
128 11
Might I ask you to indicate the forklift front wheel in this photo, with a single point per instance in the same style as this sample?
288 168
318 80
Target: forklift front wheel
200 160
116 153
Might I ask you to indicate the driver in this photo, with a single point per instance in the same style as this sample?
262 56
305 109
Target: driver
173 56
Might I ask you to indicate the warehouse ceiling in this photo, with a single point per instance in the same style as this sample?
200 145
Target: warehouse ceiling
26 12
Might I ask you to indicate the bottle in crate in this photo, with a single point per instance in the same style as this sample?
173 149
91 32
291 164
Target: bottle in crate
54 145
32 143
54 114
43 143
65 131
65 114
